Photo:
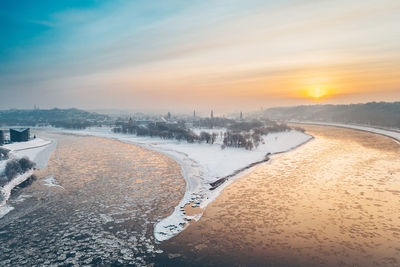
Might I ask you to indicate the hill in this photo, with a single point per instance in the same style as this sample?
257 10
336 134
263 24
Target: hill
382 114
67 118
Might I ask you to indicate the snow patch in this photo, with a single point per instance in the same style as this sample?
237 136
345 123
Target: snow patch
50 181
21 198
37 150
4 210
6 190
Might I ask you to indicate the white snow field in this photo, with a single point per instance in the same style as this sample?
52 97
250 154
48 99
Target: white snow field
37 150
201 164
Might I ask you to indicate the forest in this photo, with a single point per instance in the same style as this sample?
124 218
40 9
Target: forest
381 114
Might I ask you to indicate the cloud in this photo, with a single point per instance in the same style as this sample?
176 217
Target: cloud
255 47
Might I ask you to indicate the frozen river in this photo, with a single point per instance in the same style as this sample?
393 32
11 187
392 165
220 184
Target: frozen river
333 201
96 203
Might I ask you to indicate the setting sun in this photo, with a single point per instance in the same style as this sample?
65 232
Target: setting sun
317 92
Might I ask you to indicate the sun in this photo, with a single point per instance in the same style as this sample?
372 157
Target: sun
317 92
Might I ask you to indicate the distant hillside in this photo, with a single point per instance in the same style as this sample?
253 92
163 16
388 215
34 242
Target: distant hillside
378 114
67 118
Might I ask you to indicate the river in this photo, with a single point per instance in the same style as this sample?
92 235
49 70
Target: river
334 201
109 196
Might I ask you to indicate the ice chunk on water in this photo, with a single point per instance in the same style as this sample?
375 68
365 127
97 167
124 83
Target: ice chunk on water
50 181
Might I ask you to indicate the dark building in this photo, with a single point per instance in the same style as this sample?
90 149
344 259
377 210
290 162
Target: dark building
19 134
1 137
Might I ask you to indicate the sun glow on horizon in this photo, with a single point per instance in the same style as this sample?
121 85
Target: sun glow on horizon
316 93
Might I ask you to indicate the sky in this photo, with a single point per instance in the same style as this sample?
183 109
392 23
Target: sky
225 55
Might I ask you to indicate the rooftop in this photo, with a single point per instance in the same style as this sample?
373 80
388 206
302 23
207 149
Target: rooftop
19 129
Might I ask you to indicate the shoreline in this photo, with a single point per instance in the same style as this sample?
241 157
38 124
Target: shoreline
200 172
219 182
393 134
38 153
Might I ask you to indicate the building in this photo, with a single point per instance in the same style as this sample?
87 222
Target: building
19 134
130 121
2 138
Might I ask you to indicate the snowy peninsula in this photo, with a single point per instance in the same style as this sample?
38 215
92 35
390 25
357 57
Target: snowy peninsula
202 164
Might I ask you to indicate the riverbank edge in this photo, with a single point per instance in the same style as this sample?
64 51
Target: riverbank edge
41 159
393 134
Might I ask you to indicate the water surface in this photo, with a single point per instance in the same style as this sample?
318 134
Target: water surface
334 201
108 197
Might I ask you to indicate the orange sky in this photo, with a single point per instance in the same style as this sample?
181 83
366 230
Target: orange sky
227 55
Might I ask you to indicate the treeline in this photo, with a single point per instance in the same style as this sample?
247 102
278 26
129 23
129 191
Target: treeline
243 140
75 124
160 129
248 134
65 118
381 114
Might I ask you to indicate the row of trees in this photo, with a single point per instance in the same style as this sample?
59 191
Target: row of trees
66 118
73 124
160 129
167 131
15 167
208 138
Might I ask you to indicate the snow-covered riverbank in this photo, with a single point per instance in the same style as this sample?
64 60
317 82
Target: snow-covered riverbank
395 134
201 164
37 150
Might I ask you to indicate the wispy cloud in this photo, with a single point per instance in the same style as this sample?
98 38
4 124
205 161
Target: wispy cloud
43 22
258 48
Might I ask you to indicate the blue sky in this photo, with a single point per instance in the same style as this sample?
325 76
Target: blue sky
197 54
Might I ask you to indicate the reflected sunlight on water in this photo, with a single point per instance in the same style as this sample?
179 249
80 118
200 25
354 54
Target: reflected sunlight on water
333 201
